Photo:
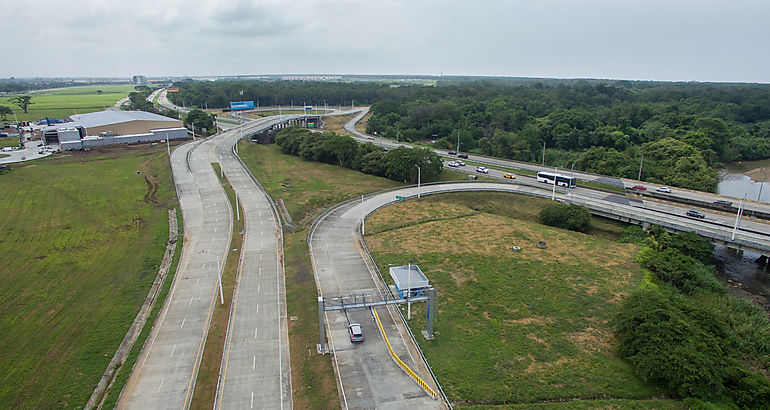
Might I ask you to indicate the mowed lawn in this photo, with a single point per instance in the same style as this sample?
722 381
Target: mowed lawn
516 328
62 102
81 239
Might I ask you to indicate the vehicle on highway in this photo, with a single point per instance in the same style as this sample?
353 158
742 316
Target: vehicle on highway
561 180
453 164
639 187
483 170
452 153
356 333
463 156
509 176
664 189
723 202
460 163
696 214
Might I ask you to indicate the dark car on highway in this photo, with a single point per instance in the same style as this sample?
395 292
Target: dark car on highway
696 214
723 202
463 156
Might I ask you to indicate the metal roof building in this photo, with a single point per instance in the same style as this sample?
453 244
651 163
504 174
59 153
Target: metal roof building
121 122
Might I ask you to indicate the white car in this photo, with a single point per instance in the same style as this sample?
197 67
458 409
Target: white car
460 163
453 164
664 189
483 170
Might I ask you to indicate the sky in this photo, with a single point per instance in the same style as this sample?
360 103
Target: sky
703 40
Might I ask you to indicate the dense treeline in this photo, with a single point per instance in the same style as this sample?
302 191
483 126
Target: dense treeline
567 216
682 130
398 164
28 84
683 331
219 94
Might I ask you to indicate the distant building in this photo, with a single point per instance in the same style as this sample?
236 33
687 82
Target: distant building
138 80
112 127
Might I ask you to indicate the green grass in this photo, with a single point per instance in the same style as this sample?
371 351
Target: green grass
125 371
306 186
9 142
81 241
515 328
63 102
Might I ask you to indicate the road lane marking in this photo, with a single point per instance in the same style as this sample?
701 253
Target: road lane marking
257 307
252 400
190 303
161 384
260 256
255 333
196 282
254 364
172 351
182 323
258 286
260 272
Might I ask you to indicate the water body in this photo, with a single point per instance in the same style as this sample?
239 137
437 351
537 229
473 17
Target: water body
733 182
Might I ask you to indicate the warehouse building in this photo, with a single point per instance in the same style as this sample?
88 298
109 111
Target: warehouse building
112 127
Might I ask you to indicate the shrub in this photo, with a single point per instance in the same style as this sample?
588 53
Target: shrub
572 217
675 342
633 234
683 272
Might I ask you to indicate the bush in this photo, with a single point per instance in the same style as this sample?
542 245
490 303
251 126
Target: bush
671 340
683 272
633 234
572 217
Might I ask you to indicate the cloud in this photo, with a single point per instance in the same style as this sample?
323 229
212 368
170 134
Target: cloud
655 39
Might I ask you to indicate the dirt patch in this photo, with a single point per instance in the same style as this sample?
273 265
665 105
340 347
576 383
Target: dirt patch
530 320
540 367
592 340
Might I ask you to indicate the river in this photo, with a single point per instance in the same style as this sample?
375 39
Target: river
741 273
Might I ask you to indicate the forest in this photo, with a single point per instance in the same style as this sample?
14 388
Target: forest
679 132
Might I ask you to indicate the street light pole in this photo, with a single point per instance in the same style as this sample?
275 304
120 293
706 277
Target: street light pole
762 184
543 153
738 218
639 178
571 176
458 141
418 180
408 300
553 193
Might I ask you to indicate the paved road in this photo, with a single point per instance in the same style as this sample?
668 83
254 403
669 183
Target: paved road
368 378
164 375
255 370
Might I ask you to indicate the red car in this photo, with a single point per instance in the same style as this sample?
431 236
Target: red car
640 187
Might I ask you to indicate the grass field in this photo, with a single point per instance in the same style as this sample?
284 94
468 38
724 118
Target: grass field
82 239
516 328
62 102
9 142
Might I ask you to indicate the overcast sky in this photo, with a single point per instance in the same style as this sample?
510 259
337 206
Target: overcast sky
703 40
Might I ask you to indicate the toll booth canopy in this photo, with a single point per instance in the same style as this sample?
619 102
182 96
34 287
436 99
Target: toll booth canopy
408 277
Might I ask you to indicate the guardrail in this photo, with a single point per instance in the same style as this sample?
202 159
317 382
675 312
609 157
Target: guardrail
424 386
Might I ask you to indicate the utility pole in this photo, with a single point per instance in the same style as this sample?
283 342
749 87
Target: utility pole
544 154
639 178
168 148
762 184
408 300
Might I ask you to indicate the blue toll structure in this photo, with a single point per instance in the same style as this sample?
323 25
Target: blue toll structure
409 277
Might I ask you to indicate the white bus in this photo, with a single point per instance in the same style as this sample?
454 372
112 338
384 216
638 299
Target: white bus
561 180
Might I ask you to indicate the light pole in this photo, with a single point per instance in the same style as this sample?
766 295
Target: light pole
458 141
553 193
738 218
761 184
418 180
544 154
409 286
639 178
571 176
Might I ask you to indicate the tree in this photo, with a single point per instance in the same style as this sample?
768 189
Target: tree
401 164
23 101
572 217
5 111
201 119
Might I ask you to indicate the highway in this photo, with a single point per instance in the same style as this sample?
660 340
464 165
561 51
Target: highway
165 372
367 377
255 370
